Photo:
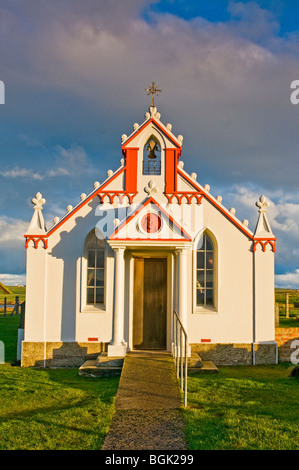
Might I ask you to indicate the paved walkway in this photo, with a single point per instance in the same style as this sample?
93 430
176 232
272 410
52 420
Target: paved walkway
147 406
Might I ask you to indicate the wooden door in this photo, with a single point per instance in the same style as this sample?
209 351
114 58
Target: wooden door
150 303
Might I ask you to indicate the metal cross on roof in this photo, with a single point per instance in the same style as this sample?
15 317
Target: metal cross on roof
153 90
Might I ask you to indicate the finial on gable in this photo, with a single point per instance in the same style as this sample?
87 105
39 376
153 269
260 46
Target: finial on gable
263 228
37 225
262 204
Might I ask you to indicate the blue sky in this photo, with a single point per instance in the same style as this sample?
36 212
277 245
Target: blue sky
75 73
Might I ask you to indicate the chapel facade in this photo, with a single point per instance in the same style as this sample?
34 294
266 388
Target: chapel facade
148 241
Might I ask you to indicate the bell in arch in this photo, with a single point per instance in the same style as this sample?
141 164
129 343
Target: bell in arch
152 146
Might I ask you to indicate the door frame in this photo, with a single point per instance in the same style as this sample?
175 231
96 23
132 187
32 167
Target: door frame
169 286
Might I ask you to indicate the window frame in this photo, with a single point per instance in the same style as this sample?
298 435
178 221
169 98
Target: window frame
149 166
95 307
206 309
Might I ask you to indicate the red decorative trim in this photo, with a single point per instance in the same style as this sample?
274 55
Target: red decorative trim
93 339
264 242
205 340
144 126
215 203
179 195
131 157
144 204
85 201
36 239
119 194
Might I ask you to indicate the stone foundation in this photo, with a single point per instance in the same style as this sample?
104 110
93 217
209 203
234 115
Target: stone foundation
59 354
285 338
236 354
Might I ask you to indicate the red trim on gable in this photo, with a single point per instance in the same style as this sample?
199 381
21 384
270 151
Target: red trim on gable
144 126
132 216
209 198
36 239
131 156
85 201
264 242
120 194
187 194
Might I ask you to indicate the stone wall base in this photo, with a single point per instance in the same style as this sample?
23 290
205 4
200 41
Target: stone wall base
59 354
287 341
236 354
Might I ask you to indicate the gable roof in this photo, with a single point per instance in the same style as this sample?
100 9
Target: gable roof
215 203
145 203
160 126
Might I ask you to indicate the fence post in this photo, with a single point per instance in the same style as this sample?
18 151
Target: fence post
5 305
287 305
276 314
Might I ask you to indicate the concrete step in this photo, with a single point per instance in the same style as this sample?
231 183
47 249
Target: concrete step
104 361
96 368
206 367
194 361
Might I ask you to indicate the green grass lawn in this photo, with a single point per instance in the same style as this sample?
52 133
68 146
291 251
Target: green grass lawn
54 409
239 408
9 335
254 408
50 409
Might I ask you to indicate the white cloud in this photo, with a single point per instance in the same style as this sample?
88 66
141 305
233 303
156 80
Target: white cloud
17 172
12 232
13 279
288 280
68 161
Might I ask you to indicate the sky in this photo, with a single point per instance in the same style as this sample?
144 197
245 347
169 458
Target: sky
75 72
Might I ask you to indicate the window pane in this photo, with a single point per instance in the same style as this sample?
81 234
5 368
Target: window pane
209 278
209 297
200 260
209 260
200 279
200 245
90 295
200 297
91 258
100 295
90 277
100 278
209 245
100 258
93 242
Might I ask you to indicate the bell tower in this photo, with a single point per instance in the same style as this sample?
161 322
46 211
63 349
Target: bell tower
151 150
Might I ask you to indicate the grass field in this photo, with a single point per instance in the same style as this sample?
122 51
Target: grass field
239 408
20 291
50 409
254 408
280 298
54 409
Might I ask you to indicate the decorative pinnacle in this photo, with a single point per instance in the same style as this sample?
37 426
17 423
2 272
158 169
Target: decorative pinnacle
39 201
262 204
153 90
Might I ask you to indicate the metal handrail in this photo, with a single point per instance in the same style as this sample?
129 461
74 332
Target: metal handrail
179 333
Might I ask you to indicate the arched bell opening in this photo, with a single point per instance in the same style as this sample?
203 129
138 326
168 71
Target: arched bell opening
152 157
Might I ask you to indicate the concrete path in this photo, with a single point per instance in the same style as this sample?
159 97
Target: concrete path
147 405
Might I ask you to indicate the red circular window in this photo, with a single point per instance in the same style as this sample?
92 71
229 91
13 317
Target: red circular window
151 223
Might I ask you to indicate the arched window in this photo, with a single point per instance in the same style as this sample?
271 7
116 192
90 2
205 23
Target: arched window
152 157
95 254
205 272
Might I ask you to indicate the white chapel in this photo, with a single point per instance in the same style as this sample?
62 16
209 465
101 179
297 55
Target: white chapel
146 242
